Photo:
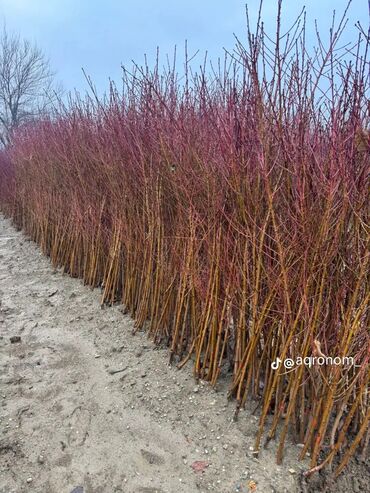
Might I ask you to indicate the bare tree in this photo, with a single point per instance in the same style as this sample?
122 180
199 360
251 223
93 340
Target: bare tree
27 86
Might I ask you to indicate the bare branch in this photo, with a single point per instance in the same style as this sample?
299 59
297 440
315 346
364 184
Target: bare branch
27 86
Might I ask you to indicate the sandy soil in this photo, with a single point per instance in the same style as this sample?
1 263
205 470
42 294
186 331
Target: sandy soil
88 407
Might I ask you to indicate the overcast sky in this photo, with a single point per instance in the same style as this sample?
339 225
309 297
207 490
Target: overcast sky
99 35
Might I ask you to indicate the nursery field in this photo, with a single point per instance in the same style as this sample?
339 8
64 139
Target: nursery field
85 403
226 211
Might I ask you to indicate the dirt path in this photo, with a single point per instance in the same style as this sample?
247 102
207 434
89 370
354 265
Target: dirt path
85 406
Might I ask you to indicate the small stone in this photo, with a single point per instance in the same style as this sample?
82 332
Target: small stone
29 480
40 459
292 471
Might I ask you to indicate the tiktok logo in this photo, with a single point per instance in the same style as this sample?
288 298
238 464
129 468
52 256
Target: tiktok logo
275 364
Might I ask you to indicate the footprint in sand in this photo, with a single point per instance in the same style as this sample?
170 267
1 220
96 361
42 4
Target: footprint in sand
79 424
152 458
